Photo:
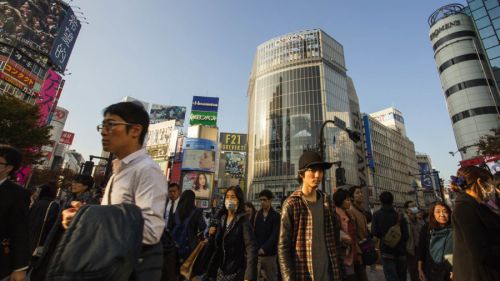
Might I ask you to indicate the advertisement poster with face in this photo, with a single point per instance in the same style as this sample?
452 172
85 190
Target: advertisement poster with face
199 182
195 159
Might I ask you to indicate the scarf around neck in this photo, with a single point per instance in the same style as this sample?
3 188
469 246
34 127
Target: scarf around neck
441 244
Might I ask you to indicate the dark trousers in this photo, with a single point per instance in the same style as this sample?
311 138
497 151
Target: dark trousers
394 268
411 262
170 271
150 264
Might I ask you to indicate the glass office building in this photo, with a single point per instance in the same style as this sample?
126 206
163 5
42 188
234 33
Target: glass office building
298 80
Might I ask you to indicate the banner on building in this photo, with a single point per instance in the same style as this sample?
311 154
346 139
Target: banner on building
425 176
159 134
160 113
210 104
45 100
235 164
233 142
67 138
206 118
65 40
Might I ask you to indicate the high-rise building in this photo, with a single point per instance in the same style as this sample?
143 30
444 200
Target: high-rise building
392 118
467 80
391 162
298 81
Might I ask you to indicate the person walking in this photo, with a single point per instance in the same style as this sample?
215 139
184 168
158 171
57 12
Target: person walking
309 235
251 212
174 193
361 218
14 225
414 227
476 243
81 190
393 257
136 179
235 256
348 230
267 230
435 245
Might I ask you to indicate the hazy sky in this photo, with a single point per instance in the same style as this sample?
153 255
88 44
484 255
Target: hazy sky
167 51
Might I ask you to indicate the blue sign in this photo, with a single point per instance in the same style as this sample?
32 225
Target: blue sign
425 176
368 138
199 144
209 104
65 40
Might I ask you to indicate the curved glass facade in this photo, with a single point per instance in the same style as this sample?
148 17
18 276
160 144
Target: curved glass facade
298 81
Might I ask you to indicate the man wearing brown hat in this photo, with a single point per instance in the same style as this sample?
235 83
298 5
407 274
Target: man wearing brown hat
309 235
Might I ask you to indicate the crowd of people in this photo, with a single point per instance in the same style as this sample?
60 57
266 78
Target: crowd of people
312 236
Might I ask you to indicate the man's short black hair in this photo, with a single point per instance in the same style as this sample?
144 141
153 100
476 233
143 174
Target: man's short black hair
407 203
340 196
174 184
133 113
266 193
13 157
352 189
85 180
386 198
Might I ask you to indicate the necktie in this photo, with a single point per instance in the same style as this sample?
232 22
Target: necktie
171 217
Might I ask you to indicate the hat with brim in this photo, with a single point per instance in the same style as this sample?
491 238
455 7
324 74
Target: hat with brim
311 159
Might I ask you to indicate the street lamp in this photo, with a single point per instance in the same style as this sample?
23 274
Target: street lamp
353 135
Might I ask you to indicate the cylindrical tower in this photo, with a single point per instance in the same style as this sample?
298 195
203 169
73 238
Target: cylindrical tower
469 88
298 80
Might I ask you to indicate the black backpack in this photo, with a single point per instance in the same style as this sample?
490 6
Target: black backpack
181 236
101 243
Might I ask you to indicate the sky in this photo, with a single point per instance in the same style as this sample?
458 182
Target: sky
168 51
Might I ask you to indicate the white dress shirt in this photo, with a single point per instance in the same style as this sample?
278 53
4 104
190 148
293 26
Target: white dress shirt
139 180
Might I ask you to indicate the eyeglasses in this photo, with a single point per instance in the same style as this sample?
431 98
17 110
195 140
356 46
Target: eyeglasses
110 124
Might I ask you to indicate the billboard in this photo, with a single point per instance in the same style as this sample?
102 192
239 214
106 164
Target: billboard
209 104
368 139
199 182
194 159
65 40
45 100
160 113
235 164
233 142
159 134
206 118
67 138
38 24
425 176
200 144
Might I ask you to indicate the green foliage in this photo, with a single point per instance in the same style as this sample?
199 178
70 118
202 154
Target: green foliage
19 127
490 144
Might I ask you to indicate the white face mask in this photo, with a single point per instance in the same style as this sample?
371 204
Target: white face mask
231 204
414 210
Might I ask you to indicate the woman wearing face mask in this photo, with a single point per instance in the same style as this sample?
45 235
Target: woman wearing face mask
235 256
436 243
476 239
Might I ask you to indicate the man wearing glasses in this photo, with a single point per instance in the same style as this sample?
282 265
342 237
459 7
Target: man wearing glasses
14 205
309 235
136 179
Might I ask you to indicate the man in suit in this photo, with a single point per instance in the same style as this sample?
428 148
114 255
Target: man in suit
170 259
174 192
14 206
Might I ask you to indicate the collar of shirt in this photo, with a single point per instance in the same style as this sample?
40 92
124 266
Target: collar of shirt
139 154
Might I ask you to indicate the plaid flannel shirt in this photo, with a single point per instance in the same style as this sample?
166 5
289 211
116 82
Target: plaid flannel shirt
302 228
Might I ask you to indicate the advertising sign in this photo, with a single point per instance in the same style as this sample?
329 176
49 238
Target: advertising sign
65 40
20 75
35 23
235 164
209 104
27 63
194 159
160 113
233 142
159 134
199 182
45 100
67 138
425 176
200 144
206 118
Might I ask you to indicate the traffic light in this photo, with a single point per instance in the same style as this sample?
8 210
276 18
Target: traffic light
340 176
88 167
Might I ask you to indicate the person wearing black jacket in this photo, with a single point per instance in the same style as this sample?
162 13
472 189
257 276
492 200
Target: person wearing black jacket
436 243
235 256
476 239
14 204
267 230
393 259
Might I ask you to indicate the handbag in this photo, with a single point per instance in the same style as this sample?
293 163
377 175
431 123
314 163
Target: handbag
187 266
368 251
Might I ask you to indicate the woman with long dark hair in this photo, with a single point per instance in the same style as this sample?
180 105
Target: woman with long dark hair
476 243
251 212
201 182
189 225
235 256
436 245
